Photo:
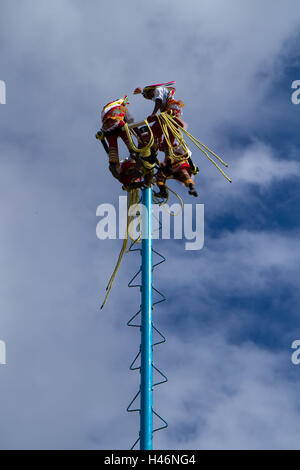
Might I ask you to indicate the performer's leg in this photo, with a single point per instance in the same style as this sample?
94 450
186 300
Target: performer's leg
113 154
157 132
184 176
161 183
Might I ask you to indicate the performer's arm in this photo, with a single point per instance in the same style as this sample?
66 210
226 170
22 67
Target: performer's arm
157 107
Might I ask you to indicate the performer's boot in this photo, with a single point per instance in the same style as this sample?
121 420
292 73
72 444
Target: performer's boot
192 190
163 193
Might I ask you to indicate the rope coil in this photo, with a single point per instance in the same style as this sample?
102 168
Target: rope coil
168 122
132 199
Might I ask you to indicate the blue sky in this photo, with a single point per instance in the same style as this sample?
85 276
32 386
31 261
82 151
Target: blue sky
232 311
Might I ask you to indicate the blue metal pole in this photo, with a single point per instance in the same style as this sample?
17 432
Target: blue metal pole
146 420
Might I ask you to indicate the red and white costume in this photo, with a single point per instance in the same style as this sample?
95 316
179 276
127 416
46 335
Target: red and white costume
114 115
129 173
179 170
165 93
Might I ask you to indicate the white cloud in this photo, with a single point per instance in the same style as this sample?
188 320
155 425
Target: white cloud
223 396
257 165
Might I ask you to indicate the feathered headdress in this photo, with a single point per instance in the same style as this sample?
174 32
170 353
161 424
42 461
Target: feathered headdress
169 85
113 104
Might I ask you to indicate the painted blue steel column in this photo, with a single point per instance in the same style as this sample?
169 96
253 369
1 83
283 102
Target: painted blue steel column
146 419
